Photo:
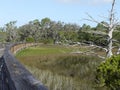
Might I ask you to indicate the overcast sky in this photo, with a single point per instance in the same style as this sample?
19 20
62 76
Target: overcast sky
68 11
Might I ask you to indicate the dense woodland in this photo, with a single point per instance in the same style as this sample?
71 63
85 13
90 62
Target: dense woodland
48 31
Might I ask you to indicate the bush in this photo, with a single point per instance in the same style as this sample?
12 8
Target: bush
30 39
47 41
108 73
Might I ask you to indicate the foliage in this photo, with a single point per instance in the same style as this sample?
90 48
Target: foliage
45 30
48 31
84 36
108 73
2 36
29 39
116 36
91 37
11 32
100 27
85 27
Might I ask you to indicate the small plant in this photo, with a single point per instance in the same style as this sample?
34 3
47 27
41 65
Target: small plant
108 73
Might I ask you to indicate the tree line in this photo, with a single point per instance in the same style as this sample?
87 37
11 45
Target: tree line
48 31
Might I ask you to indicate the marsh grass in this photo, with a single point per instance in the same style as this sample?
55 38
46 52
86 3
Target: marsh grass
61 70
44 50
53 81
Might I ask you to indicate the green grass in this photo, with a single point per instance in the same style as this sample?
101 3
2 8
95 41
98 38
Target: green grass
58 69
44 50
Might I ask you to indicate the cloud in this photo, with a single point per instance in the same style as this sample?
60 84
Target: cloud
68 1
90 2
107 1
97 2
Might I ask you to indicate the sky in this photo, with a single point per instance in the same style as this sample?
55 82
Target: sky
68 11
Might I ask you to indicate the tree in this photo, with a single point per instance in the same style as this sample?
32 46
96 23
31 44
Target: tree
11 31
24 32
100 27
53 31
35 29
30 31
110 28
85 27
70 32
45 24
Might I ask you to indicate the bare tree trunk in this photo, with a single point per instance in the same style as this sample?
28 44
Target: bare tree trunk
110 31
109 47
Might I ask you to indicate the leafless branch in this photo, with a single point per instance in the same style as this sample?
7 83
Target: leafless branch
103 17
93 20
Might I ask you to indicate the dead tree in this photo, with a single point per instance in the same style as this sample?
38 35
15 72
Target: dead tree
113 22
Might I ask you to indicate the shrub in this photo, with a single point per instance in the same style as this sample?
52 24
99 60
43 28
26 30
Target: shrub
47 41
30 39
108 73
